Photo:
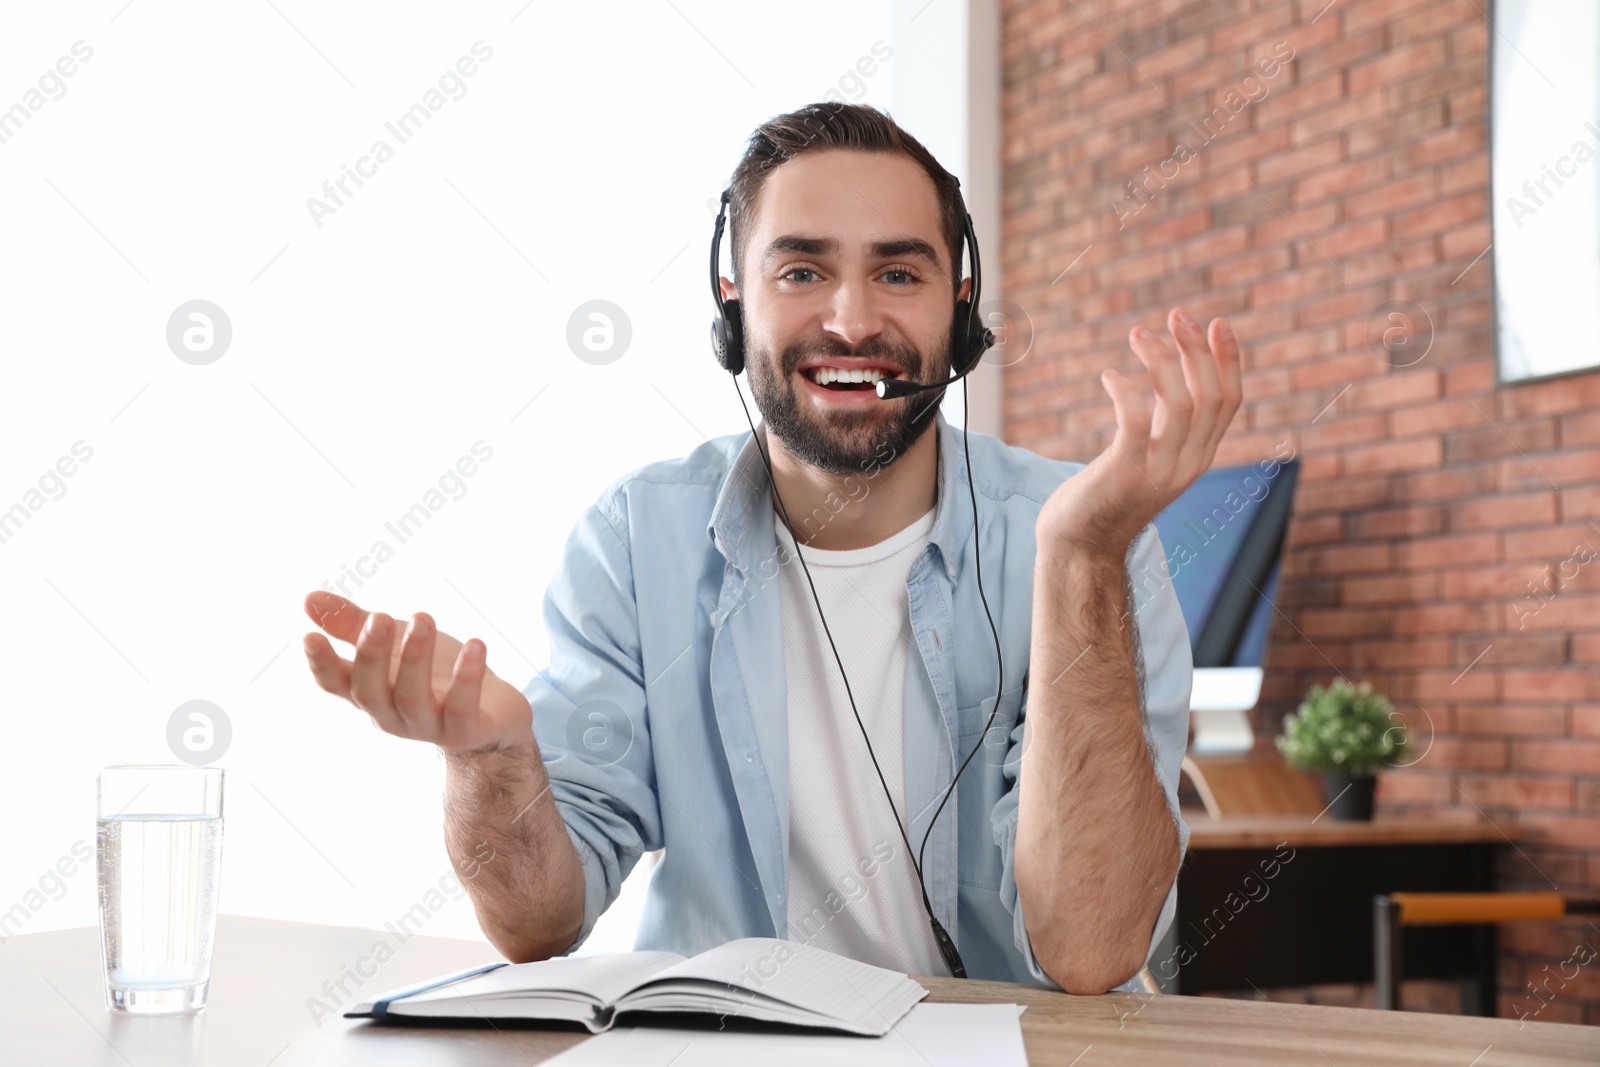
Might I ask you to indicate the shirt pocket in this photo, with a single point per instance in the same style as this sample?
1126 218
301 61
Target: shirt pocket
983 784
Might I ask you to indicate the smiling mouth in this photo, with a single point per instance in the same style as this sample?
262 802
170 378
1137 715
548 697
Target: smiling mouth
842 380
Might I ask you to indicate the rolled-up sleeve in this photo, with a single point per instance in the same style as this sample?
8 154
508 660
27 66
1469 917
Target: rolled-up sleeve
589 713
1164 664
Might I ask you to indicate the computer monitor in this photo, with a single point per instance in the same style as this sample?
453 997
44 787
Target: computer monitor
1224 545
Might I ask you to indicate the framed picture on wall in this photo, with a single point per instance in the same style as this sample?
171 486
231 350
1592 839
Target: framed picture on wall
1544 123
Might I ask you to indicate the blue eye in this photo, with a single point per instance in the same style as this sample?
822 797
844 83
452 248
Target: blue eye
797 270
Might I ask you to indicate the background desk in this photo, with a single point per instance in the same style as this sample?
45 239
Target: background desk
52 1011
1313 921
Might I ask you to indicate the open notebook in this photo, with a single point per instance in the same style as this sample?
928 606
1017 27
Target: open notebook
753 978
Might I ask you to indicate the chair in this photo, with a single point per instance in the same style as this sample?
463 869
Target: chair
1392 912
1237 786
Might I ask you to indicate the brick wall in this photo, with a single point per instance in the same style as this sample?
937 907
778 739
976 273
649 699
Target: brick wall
1354 174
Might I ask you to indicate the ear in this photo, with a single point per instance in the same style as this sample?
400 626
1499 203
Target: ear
964 292
729 290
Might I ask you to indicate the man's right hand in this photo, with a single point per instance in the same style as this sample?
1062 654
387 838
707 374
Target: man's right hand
424 684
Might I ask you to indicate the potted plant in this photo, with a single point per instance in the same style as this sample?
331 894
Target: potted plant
1347 733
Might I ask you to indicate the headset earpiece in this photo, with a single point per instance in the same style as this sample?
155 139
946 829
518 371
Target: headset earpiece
727 325
969 338
727 337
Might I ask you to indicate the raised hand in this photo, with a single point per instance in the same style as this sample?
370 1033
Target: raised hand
421 684
1160 448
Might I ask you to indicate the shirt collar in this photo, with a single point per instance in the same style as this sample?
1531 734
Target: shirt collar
745 489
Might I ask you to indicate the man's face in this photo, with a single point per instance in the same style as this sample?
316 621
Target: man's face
846 270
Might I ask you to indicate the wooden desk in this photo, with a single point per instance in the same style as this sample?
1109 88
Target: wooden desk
52 1011
1311 921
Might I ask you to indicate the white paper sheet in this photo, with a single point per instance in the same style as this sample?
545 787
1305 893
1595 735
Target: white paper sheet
930 1035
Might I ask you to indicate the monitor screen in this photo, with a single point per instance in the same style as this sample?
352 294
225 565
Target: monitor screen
1223 540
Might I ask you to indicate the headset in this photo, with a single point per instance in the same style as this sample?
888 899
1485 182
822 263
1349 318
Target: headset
969 339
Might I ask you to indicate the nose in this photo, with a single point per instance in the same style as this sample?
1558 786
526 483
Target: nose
853 317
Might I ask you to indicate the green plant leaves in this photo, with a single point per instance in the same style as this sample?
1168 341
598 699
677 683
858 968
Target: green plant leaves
1344 727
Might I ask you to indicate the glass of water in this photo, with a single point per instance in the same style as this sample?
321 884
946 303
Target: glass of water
159 849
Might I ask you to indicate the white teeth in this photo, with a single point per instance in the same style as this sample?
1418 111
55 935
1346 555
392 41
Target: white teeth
824 375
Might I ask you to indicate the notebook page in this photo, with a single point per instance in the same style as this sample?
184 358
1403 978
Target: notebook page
811 979
603 978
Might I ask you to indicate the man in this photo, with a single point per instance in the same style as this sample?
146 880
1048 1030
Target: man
692 702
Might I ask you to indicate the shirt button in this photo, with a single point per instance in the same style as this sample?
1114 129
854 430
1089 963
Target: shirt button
748 758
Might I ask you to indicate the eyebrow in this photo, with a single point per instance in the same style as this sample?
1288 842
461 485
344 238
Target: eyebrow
902 248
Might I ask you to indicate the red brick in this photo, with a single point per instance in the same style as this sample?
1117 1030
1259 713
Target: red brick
1571 548
1339 180
1535 720
1399 522
1580 429
1297 162
1352 559
1452 753
1395 456
1395 132
1468 682
1389 589
1497 582
1515 649
1338 307
1444 484
1581 503
1445 619
1452 412
1572 467
1213 246
1487 440
1414 787
1457 142
1392 197
1578 392
1504 511
1345 622
1355 237
1292 287
1292 226
1450 551
1399 388
1400 652
1343 495
1553 685
1365 13
1335 371
1334 120
1564 612
1397 64
1331 432
1517 791
1432 218
1427 22
1586 720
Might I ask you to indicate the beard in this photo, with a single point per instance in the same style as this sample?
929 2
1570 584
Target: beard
842 442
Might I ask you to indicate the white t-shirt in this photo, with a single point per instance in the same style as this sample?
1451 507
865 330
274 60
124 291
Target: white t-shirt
852 889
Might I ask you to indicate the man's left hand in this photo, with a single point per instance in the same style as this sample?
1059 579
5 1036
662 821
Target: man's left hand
1156 453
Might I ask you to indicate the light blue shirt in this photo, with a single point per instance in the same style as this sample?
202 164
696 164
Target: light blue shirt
661 715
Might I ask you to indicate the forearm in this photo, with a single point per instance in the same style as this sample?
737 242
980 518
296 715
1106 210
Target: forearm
511 850
1096 848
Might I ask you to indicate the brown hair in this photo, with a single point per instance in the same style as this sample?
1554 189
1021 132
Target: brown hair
835 125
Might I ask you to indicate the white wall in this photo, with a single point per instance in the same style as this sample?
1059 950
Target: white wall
368 354
947 93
